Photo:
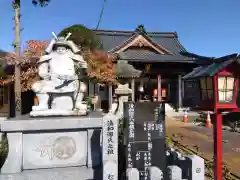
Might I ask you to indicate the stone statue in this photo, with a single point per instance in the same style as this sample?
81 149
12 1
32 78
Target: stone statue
60 91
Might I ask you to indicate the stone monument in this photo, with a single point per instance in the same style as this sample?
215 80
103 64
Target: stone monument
110 147
60 91
145 130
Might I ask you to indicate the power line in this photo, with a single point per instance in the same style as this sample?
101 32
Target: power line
101 14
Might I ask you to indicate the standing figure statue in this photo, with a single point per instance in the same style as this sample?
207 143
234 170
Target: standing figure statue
60 91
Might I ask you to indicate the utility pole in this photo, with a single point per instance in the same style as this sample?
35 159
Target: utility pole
17 72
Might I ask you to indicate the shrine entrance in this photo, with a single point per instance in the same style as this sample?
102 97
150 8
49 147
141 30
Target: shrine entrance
146 89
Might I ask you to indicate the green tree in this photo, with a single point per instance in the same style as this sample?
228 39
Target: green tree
16 4
100 64
82 36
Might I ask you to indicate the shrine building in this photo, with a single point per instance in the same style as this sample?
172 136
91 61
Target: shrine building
159 56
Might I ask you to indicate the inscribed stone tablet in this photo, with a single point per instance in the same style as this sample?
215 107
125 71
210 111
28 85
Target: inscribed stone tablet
110 148
145 136
50 150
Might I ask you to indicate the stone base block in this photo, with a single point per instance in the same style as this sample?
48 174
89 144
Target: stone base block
70 173
56 112
62 103
60 142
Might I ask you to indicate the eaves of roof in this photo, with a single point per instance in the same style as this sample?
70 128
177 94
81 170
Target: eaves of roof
148 56
216 65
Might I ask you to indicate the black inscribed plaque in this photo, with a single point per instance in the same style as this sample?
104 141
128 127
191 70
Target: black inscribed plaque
145 135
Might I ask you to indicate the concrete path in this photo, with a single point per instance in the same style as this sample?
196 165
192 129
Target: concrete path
192 135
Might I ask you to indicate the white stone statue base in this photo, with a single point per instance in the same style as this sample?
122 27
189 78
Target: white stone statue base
62 105
56 144
59 112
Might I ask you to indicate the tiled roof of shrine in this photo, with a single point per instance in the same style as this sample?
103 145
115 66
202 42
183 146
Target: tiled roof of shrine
147 47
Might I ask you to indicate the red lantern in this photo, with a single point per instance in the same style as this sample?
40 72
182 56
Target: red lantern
155 92
219 89
164 94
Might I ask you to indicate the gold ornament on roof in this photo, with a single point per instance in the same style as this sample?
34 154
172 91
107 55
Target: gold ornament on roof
147 67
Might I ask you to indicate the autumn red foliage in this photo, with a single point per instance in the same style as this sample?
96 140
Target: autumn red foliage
100 64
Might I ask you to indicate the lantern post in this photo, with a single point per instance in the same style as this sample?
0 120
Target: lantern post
218 81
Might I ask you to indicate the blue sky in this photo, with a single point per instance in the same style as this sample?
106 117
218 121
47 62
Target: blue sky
206 27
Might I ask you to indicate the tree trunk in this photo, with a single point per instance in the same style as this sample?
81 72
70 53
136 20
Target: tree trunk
17 82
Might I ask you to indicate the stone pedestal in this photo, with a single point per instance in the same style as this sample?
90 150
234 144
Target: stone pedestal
61 102
54 144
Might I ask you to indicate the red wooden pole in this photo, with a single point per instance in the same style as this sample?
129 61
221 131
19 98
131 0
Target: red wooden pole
218 147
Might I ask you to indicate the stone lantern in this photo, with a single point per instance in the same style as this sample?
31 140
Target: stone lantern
124 73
